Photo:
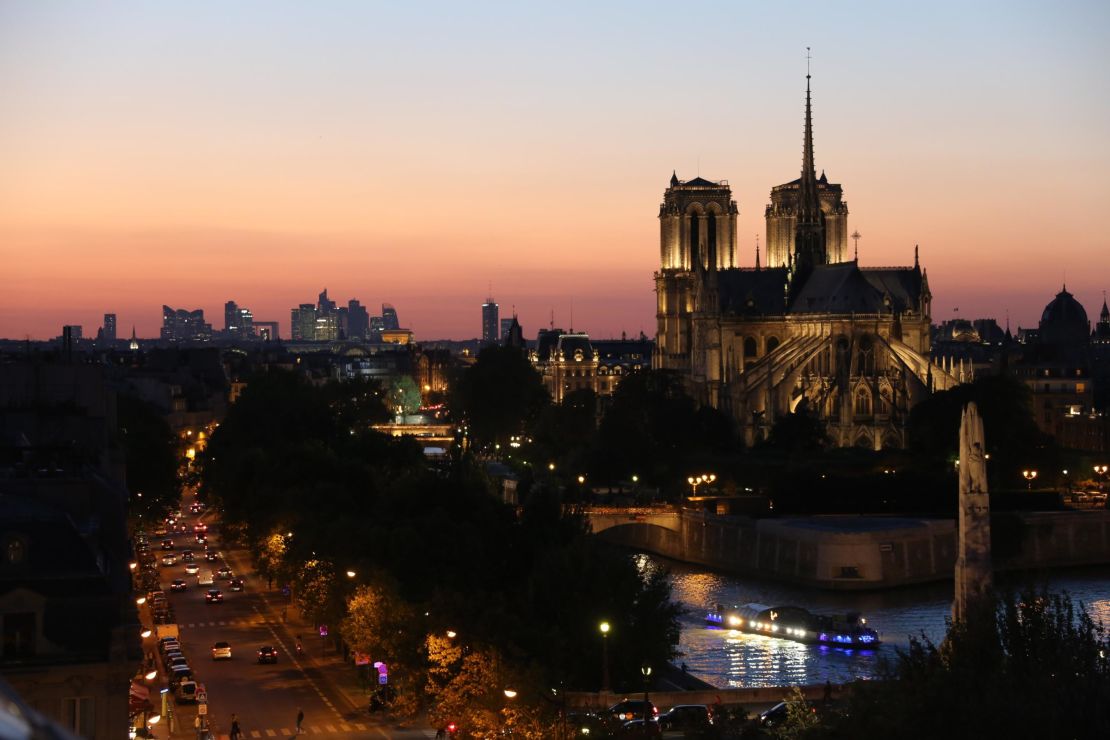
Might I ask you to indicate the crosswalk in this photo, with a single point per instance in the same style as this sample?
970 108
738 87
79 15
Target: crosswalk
230 623
309 730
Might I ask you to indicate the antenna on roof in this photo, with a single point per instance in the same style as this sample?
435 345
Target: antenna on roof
757 251
571 315
855 238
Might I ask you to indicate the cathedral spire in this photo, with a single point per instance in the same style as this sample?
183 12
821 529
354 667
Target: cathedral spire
916 262
757 253
809 235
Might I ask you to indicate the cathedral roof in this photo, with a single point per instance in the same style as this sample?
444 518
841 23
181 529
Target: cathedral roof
840 288
1064 309
902 284
752 292
700 182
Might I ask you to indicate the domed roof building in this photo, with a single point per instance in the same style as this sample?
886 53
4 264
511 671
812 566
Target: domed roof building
1064 321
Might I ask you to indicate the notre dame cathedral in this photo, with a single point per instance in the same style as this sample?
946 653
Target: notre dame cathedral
810 327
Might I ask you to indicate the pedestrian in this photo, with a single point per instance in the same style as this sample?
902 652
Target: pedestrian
235 731
300 719
441 734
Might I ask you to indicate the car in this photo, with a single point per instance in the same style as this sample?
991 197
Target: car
236 584
177 661
631 709
170 654
221 651
774 716
180 674
267 654
178 584
167 544
214 596
192 568
201 538
686 717
200 527
637 728
204 578
187 556
211 556
166 644
169 559
225 574
181 529
186 692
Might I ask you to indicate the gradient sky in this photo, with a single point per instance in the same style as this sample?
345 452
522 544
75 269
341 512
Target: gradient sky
194 152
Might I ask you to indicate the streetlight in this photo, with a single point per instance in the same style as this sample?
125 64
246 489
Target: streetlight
646 670
351 574
1030 476
452 634
604 627
551 466
510 694
154 720
140 601
1100 471
581 479
145 633
697 481
132 565
151 675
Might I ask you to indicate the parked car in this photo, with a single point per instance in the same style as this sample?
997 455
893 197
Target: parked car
178 675
186 692
168 644
267 654
221 651
776 715
631 709
686 717
637 728
177 661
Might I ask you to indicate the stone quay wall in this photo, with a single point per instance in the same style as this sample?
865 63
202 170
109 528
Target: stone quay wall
855 553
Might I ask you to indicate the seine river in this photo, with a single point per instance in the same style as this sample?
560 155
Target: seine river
733 659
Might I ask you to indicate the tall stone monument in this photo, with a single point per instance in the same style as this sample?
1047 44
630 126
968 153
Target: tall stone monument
973 566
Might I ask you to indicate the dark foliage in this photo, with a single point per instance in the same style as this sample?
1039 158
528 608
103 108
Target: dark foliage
499 395
151 457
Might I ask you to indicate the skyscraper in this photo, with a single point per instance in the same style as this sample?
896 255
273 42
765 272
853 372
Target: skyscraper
490 327
179 325
238 322
358 320
303 323
389 317
109 332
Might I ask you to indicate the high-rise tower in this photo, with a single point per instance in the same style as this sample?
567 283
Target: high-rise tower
490 326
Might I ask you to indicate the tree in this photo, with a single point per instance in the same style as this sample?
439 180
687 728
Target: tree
499 394
402 395
381 624
1033 667
798 432
150 456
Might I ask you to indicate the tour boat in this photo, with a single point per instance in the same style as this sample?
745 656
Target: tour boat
795 623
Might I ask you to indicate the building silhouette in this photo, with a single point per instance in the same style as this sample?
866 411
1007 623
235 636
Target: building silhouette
491 329
179 325
390 322
809 330
108 331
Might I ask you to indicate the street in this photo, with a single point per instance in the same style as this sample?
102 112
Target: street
264 697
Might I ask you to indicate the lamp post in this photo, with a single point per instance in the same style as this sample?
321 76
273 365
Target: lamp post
604 627
1100 471
1030 476
646 670
696 481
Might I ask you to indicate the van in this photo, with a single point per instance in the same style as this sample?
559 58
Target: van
204 578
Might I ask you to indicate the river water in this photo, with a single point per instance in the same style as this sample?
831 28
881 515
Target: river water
733 659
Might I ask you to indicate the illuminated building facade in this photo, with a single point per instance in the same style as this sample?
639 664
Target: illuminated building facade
809 330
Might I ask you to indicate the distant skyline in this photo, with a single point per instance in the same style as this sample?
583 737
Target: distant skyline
194 153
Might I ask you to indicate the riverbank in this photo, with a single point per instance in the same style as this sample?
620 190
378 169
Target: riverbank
859 553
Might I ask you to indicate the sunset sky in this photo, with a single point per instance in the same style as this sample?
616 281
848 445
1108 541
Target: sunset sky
417 153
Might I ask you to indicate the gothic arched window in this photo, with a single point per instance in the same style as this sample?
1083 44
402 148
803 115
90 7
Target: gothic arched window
749 347
863 402
772 344
711 228
694 237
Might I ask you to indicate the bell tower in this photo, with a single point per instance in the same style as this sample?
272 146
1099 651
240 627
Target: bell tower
697 233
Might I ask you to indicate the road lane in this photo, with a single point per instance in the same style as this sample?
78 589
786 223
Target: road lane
265 697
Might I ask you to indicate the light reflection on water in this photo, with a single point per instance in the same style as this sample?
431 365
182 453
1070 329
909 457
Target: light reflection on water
728 658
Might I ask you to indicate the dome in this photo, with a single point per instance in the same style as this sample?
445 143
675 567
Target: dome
1064 320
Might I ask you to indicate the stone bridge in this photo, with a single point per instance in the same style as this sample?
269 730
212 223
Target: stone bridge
603 518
